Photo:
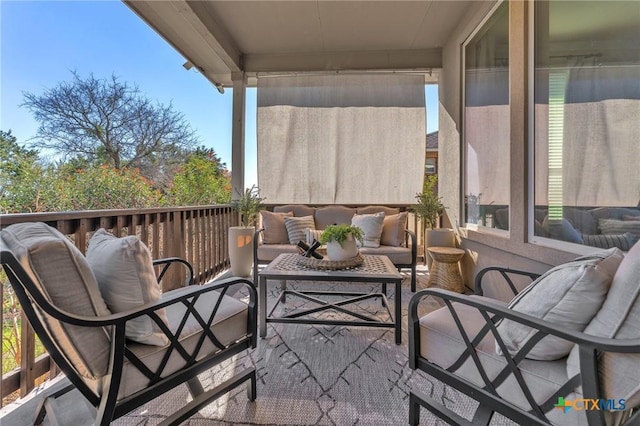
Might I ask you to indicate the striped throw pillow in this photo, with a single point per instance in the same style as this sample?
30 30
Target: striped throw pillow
296 226
312 234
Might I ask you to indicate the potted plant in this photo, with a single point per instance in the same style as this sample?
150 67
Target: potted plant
341 241
248 206
429 208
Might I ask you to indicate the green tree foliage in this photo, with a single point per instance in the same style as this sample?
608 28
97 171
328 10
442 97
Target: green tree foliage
104 187
109 122
202 180
24 182
27 184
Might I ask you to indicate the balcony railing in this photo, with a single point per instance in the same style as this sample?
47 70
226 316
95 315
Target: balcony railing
198 234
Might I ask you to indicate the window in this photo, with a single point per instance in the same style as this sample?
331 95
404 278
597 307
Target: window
431 166
587 122
486 122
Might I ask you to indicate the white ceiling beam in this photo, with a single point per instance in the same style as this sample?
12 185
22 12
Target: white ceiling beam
334 61
216 35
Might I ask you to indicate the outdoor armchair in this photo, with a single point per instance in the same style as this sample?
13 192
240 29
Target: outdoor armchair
59 295
556 375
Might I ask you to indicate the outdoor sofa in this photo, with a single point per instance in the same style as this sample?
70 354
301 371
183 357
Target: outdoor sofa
565 350
273 238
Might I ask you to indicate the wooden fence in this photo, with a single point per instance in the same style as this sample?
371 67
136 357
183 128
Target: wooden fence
197 234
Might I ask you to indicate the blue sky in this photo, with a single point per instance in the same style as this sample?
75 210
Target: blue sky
41 42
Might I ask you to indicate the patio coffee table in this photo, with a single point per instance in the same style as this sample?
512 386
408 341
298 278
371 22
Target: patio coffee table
374 269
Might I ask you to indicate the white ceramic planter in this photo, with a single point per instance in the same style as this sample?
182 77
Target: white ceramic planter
347 250
241 250
439 237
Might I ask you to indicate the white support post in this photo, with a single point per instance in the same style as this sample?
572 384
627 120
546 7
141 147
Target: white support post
237 134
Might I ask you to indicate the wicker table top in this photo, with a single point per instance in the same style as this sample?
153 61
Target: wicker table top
372 267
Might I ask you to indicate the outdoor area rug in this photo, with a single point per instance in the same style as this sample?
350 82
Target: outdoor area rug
318 374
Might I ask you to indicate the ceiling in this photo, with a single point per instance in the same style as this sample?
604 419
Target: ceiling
221 38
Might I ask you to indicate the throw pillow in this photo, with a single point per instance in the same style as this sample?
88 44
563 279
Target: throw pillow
296 226
274 230
568 295
312 234
371 225
619 318
124 270
393 230
615 226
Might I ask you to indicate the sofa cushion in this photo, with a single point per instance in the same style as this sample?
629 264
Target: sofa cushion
371 225
298 210
618 318
397 255
441 343
127 280
568 295
388 211
628 217
275 232
332 215
393 229
64 277
268 252
296 227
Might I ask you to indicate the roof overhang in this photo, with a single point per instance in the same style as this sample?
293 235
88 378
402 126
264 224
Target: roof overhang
224 38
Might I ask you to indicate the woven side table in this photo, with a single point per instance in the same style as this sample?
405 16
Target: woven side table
445 272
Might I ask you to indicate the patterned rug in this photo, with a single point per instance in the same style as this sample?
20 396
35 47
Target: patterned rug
318 374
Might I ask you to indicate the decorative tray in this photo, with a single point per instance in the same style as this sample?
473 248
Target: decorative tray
332 265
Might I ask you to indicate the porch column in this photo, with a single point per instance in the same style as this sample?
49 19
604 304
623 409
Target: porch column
237 134
519 110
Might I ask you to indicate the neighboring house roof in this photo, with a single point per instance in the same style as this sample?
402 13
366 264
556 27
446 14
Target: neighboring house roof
432 141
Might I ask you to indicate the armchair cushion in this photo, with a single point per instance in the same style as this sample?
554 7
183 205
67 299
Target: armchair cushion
442 343
275 232
569 295
127 280
229 325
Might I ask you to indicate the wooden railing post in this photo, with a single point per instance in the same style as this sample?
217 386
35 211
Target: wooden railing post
27 356
174 246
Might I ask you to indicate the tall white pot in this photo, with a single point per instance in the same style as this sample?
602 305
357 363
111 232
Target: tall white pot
438 237
347 250
241 250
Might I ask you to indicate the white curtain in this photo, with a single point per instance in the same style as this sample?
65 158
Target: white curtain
344 139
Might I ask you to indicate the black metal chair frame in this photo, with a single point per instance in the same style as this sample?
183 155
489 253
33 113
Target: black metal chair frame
490 402
411 236
107 405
